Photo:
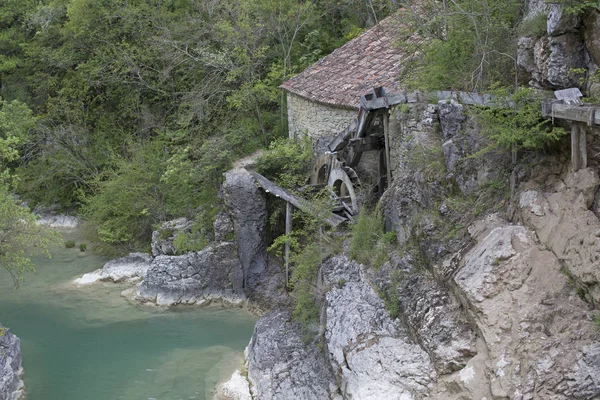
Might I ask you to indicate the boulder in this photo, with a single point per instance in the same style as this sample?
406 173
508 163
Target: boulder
11 385
282 366
195 278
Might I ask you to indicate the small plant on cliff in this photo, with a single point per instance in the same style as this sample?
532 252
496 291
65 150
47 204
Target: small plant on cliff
534 26
370 244
69 244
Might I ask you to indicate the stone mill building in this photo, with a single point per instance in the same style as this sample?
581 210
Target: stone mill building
324 98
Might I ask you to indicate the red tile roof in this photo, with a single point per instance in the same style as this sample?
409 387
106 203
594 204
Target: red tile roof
367 61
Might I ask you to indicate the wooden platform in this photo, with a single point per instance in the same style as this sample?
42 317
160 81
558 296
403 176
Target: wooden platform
583 118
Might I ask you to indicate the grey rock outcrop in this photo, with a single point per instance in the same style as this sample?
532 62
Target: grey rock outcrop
560 22
591 35
282 366
162 239
11 385
130 268
223 227
60 221
567 53
214 273
549 61
434 317
373 356
249 213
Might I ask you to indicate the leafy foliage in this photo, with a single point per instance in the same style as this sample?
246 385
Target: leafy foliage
20 236
515 121
534 26
287 162
311 242
105 79
464 44
578 6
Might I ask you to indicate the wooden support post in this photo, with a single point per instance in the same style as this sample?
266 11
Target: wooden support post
582 146
575 147
288 230
386 134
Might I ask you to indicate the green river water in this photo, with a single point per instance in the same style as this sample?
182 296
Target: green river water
90 343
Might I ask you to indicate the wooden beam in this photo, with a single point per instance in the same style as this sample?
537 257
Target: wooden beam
589 115
304 205
368 143
288 230
582 146
386 135
575 150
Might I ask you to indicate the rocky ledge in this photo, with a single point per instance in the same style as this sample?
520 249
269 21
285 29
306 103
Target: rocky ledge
11 385
59 221
215 273
130 268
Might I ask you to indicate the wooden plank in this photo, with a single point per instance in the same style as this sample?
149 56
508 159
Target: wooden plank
375 104
341 140
587 114
304 205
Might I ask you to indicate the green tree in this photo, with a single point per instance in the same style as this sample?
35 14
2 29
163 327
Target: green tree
20 236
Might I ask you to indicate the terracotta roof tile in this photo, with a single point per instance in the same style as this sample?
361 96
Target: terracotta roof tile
371 59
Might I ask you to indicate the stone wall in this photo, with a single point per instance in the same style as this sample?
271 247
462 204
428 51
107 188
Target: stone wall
315 119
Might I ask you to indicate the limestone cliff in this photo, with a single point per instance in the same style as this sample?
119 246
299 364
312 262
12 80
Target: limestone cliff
494 292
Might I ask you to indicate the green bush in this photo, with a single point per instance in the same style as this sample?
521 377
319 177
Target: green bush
69 244
287 162
515 121
82 247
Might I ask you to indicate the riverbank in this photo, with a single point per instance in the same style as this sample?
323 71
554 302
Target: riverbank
91 343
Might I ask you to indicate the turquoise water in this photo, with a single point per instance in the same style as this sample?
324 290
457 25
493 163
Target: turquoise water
90 343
